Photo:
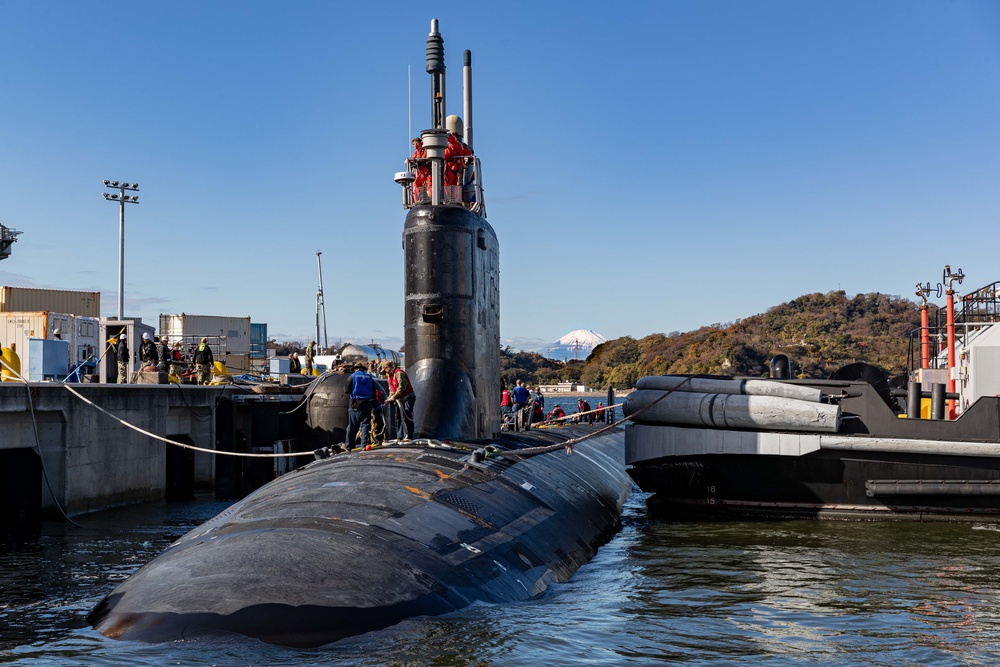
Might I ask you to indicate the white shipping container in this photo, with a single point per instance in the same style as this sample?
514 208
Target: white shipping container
32 299
17 328
235 330
87 340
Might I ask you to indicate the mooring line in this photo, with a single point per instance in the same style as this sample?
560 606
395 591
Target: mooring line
183 445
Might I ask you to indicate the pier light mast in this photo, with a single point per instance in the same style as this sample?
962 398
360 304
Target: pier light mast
320 304
121 198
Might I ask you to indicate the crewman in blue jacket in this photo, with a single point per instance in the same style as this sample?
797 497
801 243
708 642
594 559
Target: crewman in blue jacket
361 387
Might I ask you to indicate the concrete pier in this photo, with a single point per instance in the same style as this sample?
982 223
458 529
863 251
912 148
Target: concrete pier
93 462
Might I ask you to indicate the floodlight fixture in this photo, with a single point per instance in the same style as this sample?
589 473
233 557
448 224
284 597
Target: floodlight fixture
122 199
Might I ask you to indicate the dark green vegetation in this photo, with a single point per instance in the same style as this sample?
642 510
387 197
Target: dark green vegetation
819 333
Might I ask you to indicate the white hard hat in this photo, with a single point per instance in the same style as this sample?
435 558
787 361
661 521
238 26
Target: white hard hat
145 336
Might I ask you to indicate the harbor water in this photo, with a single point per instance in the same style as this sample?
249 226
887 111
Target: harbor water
740 593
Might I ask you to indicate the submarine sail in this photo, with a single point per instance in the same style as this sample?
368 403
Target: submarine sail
452 259
462 513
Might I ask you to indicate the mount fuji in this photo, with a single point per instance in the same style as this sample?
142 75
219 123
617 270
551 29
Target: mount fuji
574 345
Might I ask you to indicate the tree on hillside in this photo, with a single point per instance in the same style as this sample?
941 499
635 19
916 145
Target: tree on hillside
819 333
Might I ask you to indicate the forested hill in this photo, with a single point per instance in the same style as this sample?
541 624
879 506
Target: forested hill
819 333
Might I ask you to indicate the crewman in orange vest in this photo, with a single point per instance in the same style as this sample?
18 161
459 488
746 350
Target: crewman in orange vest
422 171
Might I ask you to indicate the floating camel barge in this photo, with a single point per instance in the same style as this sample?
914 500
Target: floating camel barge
832 448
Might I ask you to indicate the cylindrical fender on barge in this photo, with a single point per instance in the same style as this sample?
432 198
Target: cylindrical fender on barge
731 411
727 386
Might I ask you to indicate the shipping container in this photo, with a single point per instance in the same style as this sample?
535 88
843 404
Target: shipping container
33 299
258 340
233 333
87 342
17 328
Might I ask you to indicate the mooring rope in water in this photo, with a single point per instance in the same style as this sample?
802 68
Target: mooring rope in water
568 445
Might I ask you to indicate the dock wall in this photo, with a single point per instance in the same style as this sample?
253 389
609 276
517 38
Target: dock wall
92 461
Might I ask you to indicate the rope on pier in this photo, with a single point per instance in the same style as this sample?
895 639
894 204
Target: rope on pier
183 445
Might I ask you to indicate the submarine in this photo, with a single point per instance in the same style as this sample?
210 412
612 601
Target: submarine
463 512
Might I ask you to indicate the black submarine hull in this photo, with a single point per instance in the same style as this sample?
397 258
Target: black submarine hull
361 541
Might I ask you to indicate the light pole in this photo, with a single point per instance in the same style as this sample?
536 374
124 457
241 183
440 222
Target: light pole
122 199
320 304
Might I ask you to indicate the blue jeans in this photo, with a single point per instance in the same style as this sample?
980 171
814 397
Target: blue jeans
358 418
404 417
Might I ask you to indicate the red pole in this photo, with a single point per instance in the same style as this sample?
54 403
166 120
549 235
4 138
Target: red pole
925 338
951 349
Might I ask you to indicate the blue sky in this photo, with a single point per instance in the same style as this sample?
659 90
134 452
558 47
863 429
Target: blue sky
650 167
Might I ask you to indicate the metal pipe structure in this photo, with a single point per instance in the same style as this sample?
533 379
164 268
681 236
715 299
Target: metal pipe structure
436 139
122 199
925 339
435 67
320 303
467 97
951 278
925 334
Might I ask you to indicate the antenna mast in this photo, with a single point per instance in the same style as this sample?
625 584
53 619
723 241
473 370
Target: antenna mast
320 304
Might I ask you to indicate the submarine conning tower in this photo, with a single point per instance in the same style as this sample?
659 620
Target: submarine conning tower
452 273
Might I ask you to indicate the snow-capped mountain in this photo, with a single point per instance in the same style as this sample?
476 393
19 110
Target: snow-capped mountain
574 345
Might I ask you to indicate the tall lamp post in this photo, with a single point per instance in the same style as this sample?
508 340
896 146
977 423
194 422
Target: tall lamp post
320 304
122 199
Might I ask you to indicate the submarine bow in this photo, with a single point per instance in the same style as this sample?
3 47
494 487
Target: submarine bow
339 547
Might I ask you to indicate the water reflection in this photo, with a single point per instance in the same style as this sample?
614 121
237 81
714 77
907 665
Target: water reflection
761 593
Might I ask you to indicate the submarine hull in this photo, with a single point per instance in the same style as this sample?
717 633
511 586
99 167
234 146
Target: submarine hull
361 541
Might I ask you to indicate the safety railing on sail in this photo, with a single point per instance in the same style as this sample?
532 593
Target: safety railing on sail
469 194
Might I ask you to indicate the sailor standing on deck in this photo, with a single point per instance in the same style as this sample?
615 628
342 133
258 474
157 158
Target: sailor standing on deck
175 360
310 355
521 395
203 361
401 394
121 351
422 171
147 352
361 387
163 355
